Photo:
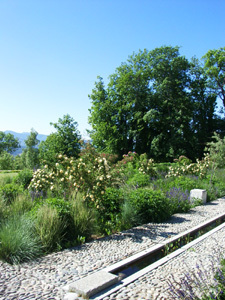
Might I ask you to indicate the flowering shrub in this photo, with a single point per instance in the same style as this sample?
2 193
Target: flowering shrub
146 166
185 167
130 165
89 174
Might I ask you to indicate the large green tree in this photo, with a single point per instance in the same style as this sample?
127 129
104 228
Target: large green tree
64 141
215 69
171 106
204 120
8 142
145 107
116 114
158 103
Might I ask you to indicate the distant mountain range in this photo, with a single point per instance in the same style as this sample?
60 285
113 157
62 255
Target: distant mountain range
22 137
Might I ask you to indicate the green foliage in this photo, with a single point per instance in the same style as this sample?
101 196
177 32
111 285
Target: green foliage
8 142
9 192
3 210
179 199
90 175
6 161
216 150
146 106
204 101
22 204
6 178
112 200
215 68
139 180
84 220
151 206
49 227
63 207
129 216
18 242
49 149
29 156
64 141
183 166
184 183
159 103
24 178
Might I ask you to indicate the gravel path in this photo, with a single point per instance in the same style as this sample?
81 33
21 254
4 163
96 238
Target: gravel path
45 277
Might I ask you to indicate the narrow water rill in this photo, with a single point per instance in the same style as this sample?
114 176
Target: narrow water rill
104 282
168 248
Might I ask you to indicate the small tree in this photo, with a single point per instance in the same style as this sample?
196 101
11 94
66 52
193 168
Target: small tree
8 142
6 161
29 155
64 141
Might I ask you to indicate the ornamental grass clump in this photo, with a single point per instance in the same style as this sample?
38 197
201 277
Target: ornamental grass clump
84 220
18 241
50 228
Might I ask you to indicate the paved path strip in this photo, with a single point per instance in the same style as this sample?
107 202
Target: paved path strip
45 278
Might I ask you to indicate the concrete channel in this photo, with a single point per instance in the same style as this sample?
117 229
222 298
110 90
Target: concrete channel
102 283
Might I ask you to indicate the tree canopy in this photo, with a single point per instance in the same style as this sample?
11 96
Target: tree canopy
29 156
64 141
156 103
215 69
8 142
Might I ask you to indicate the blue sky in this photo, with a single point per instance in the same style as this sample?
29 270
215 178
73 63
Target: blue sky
51 51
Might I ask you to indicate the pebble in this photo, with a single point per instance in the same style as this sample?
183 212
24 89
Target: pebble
46 277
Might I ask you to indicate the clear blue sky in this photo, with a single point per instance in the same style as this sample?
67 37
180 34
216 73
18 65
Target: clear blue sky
51 51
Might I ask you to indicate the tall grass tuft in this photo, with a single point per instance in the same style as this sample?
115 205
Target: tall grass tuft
18 242
83 218
22 204
129 216
50 227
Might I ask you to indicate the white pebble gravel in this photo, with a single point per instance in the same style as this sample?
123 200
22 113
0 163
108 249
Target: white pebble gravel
46 277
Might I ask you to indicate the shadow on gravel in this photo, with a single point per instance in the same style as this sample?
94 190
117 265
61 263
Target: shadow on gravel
153 231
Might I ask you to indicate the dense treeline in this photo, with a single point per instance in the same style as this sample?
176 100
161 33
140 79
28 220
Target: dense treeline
159 103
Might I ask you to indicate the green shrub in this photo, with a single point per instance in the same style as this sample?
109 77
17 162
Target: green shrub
18 242
24 178
185 183
216 150
62 206
6 161
112 199
9 192
162 168
151 206
50 227
139 180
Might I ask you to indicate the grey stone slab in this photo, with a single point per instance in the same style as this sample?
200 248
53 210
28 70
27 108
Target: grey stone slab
94 283
198 194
